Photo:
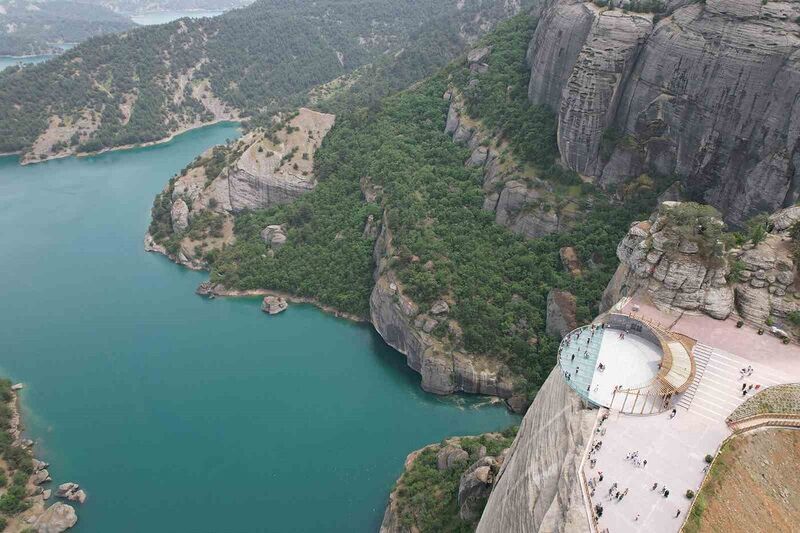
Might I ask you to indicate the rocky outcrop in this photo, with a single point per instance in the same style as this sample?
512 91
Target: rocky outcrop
657 259
474 485
571 261
523 206
279 170
537 488
767 287
675 276
260 170
273 305
561 309
274 236
179 215
440 359
710 92
57 518
449 456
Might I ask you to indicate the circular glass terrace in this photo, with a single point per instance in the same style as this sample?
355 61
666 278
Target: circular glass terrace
627 364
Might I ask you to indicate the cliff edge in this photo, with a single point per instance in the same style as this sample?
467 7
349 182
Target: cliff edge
707 91
537 487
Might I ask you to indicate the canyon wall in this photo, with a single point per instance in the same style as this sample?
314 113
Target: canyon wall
440 359
709 91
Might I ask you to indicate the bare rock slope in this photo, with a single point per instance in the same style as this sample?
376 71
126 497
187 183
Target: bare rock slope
710 92
537 487
260 170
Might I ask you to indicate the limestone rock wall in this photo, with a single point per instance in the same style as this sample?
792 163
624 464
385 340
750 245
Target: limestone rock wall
764 283
711 92
537 488
445 368
271 173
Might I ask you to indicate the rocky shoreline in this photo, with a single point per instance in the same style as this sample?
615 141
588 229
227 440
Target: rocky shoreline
59 516
216 290
23 161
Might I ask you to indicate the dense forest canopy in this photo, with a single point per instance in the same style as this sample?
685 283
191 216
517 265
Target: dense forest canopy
257 60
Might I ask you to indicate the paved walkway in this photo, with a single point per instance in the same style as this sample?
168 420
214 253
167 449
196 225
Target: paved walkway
675 447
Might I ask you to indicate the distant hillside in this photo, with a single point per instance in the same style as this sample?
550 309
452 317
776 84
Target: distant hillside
143 85
32 28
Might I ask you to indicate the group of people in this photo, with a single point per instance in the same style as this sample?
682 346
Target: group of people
633 457
747 388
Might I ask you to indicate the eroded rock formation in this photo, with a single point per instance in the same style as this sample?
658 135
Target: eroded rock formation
561 309
756 281
708 92
444 366
260 170
521 202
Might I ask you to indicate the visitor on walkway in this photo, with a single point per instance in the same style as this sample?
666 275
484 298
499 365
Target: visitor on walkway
644 464
678 513
655 486
666 493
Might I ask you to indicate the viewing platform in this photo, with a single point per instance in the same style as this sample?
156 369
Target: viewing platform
628 364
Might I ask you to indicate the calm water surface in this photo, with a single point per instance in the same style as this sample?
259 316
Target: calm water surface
180 414
162 17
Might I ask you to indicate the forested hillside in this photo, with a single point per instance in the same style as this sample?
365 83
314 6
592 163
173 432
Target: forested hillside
444 244
142 85
31 28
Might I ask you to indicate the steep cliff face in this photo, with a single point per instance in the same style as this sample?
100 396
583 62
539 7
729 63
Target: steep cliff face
260 170
757 282
537 488
445 368
277 170
709 92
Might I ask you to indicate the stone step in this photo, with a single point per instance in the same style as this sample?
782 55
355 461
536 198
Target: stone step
702 355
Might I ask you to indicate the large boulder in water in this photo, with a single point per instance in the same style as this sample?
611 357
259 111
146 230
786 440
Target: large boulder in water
57 518
272 305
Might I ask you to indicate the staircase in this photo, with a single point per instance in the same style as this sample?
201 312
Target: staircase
701 354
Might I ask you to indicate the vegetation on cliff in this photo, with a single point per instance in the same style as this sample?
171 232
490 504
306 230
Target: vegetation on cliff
16 465
426 496
446 245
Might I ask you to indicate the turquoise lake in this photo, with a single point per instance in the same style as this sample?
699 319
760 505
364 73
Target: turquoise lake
181 414
162 17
